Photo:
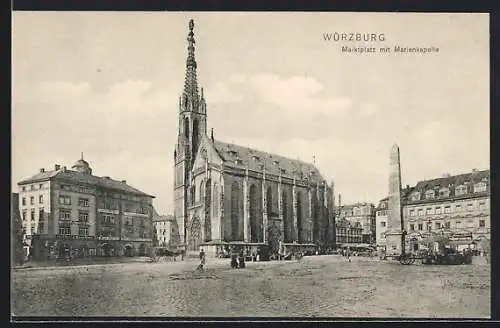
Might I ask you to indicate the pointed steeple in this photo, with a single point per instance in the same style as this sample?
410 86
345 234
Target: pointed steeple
190 95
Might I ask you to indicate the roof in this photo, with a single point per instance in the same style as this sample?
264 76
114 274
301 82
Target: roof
81 162
257 160
455 180
78 177
446 182
39 176
164 218
352 206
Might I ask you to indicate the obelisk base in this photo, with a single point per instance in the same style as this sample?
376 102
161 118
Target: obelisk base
394 243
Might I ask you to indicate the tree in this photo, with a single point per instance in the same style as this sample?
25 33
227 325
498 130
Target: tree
16 231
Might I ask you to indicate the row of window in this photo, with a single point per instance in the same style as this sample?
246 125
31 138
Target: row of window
65 215
32 200
445 192
66 231
33 187
447 209
447 225
41 214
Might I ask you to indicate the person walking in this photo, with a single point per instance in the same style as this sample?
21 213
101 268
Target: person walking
202 260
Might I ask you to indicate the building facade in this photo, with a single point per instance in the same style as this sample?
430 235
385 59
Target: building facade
456 206
229 193
381 222
75 212
167 231
347 232
363 214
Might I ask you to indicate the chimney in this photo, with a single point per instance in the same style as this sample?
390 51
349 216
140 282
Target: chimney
340 200
57 167
64 169
42 170
124 181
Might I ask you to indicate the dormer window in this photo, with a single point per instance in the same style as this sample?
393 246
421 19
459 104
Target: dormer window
429 194
256 158
480 187
444 192
232 152
238 161
460 190
276 162
283 171
415 196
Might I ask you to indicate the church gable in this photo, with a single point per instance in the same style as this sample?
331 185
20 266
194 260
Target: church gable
206 151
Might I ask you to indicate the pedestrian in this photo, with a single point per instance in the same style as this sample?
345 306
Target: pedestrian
241 260
202 260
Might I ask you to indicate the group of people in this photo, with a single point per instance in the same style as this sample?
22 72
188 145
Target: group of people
237 259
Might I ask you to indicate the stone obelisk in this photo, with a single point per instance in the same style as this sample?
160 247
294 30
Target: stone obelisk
394 234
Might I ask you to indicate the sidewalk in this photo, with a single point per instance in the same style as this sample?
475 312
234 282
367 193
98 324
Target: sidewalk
39 265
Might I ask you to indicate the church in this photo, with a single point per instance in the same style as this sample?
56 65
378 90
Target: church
229 194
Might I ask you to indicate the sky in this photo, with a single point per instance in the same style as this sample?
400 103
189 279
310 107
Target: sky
107 84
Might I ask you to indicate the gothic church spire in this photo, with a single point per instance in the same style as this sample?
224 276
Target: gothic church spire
190 95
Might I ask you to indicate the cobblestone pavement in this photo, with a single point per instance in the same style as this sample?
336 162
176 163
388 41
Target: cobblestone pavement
318 286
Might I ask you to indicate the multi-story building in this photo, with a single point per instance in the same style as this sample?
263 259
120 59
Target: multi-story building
454 206
364 215
75 212
347 232
167 231
381 222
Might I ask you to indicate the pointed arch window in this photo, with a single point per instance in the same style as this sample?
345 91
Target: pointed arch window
192 194
256 219
186 127
202 191
236 210
300 232
269 200
215 200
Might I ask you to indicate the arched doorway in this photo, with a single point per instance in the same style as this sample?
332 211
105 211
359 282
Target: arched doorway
64 250
256 219
194 235
142 249
84 251
107 250
128 251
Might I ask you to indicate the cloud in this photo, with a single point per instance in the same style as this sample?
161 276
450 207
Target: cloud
222 93
367 110
51 91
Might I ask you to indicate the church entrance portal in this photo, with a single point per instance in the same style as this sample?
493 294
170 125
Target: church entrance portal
128 250
195 235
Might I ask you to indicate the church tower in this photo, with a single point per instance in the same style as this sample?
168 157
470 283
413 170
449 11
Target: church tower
192 127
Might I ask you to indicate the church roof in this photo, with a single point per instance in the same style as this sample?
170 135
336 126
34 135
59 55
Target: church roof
257 160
